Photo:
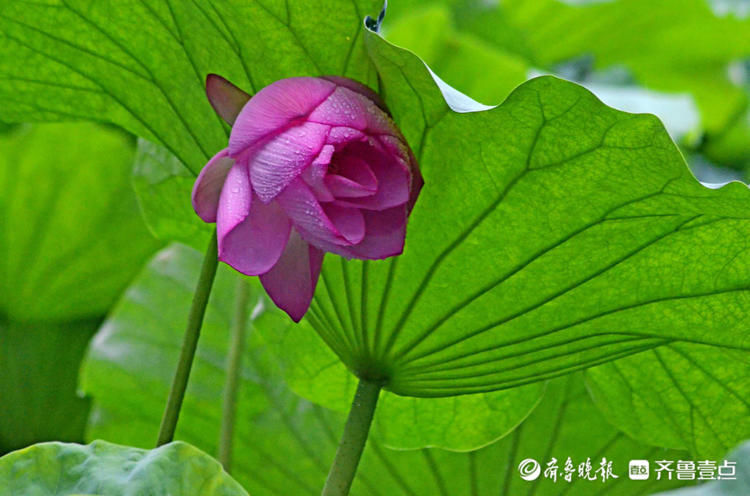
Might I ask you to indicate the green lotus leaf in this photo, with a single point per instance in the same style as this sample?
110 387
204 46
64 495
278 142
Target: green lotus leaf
71 240
102 468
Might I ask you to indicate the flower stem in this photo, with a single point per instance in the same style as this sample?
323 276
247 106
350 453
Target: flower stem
234 366
353 441
189 344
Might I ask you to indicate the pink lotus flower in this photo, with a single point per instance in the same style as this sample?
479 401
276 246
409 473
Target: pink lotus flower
313 165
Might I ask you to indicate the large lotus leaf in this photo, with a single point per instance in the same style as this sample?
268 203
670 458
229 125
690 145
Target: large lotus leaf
97 60
142 64
565 425
556 235
102 468
128 373
71 239
689 396
465 422
566 226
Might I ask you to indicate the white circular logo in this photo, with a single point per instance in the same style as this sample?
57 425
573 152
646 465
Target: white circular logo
529 469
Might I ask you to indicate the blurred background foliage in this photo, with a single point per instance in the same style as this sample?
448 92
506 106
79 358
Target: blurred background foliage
684 60
72 239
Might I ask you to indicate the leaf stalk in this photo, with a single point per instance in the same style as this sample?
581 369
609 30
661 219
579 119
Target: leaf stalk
352 443
189 344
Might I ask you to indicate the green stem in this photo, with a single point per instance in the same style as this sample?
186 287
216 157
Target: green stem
189 344
353 441
234 366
